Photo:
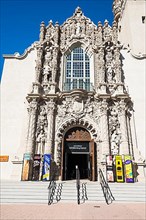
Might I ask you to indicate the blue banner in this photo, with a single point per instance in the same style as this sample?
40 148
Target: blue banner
46 166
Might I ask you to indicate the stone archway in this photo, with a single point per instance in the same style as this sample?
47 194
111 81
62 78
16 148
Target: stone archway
78 149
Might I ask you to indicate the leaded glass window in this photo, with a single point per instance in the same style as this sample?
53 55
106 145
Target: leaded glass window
77 71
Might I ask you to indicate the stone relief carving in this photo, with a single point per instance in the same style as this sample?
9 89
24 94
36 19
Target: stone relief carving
41 132
114 130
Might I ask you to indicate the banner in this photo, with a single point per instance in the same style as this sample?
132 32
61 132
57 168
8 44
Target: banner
26 166
46 166
119 169
128 169
109 169
36 167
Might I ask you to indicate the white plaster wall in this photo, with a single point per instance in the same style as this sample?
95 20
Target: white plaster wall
133 31
17 78
134 71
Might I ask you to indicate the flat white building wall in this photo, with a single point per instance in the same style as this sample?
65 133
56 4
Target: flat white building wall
133 30
134 72
18 75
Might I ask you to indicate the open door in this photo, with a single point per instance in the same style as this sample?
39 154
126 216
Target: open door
92 161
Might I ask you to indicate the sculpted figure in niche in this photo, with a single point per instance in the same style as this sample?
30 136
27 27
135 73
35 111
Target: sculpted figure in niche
78 28
47 73
40 142
110 74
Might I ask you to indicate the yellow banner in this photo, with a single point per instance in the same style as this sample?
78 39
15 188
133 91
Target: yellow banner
119 169
128 169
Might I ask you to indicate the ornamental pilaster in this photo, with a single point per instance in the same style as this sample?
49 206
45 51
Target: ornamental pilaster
124 147
50 130
55 58
104 128
38 68
31 126
42 31
117 65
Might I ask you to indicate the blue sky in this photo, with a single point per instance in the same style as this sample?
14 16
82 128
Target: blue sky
20 19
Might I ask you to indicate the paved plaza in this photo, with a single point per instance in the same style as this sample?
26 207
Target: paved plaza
64 211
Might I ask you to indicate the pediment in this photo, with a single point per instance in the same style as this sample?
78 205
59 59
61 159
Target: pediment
78 25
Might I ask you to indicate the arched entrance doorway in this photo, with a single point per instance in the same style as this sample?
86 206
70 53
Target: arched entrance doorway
78 149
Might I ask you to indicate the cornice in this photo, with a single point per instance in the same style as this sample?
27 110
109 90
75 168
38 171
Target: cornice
22 56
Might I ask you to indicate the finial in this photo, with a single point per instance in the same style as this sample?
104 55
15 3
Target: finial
99 24
42 24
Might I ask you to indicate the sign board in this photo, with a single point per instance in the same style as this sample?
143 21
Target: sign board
46 166
128 169
77 147
36 167
26 166
27 156
119 169
4 158
25 171
109 169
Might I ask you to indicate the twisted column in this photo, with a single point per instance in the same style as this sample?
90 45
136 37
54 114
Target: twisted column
124 147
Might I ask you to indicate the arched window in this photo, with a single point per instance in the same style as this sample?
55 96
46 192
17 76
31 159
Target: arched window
77 70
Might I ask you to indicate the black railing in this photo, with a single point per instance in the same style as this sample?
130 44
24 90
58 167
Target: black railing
105 188
51 193
59 191
78 184
84 192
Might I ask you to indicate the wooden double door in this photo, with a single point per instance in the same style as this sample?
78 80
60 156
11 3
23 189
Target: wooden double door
78 149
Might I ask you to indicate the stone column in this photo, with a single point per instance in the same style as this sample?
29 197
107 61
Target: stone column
124 148
50 117
28 160
104 129
31 127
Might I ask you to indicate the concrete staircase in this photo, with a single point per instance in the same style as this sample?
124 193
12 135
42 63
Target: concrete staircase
128 192
37 192
93 192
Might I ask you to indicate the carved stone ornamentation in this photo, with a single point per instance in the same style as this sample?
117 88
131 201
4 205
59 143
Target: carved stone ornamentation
79 135
78 51
114 130
41 132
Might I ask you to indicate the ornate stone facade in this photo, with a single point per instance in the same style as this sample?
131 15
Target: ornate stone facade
103 110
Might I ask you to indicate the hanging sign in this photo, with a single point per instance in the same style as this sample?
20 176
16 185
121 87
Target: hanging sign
77 147
46 166
109 169
128 169
119 169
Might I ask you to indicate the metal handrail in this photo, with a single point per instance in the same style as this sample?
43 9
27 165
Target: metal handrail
84 192
59 191
78 184
106 189
51 193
